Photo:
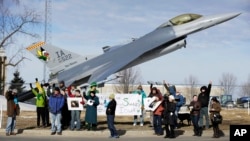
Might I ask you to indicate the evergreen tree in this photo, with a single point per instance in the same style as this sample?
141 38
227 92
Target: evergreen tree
17 82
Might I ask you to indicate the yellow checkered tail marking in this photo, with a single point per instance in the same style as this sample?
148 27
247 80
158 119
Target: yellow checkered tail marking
36 45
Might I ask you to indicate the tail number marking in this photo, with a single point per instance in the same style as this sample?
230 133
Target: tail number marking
62 57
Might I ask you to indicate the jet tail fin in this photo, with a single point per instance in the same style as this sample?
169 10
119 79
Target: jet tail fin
56 59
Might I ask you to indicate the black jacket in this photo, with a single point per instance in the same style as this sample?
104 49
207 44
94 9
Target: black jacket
204 96
169 116
111 107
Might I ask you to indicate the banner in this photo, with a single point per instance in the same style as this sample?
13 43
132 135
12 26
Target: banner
126 104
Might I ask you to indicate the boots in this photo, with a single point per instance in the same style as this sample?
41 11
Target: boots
196 131
172 133
216 132
167 132
200 131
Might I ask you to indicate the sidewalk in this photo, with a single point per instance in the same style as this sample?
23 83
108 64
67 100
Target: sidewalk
131 133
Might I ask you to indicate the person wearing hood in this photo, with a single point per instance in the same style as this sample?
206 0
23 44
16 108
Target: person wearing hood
203 98
91 110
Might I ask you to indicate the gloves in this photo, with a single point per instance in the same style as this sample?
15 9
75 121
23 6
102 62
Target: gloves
31 86
36 79
53 85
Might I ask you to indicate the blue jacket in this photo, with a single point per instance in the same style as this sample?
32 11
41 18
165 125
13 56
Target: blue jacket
143 95
56 103
180 101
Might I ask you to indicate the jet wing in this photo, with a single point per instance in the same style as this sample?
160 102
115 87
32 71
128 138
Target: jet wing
109 69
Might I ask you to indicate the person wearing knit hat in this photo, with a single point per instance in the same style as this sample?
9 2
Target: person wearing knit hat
170 117
111 96
93 87
110 112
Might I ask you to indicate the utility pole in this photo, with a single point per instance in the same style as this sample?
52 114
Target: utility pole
47 30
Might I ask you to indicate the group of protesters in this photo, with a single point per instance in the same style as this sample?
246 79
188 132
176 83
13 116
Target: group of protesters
171 102
51 101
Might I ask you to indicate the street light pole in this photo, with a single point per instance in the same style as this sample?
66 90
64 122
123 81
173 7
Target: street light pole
2 70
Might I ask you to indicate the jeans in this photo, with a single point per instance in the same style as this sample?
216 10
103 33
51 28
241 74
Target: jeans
56 125
141 117
157 124
75 116
204 112
195 121
176 113
11 124
111 127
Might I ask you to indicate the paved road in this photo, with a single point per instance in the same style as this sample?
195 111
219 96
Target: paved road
39 135
123 138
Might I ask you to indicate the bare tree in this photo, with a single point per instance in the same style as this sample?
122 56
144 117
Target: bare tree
191 81
246 88
12 25
127 80
228 83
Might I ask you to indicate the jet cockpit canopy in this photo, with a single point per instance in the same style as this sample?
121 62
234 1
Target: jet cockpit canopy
181 19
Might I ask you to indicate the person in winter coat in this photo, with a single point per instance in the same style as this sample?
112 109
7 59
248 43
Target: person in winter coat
152 93
203 97
91 110
66 113
56 102
41 100
215 108
110 112
179 99
13 110
75 114
169 116
194 108
157 113
141 92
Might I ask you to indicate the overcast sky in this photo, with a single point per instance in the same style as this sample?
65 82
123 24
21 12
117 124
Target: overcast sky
85 26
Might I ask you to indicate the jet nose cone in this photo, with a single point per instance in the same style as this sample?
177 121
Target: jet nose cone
233 15
230 16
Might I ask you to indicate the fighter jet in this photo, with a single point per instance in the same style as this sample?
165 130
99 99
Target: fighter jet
170 36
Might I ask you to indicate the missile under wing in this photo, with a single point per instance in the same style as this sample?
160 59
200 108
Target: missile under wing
168 37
